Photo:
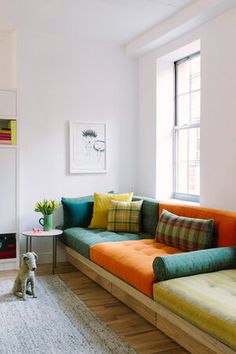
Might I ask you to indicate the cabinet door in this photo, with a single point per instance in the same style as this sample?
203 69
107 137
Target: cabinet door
7 190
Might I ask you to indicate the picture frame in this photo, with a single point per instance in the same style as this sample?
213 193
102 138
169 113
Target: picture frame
88 147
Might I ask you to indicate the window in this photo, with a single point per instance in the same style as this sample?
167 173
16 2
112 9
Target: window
187 128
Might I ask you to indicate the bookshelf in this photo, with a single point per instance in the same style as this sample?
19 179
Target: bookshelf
9 240
8 129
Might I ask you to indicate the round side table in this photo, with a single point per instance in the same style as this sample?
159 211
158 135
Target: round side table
52 233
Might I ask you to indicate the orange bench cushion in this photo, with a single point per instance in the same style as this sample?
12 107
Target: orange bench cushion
131 260
224 221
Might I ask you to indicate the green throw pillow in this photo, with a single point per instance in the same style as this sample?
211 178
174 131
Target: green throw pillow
149 213
186 234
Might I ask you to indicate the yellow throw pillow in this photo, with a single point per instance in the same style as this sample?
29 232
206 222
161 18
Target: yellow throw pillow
101 208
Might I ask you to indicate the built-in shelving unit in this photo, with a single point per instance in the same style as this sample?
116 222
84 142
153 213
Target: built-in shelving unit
9 244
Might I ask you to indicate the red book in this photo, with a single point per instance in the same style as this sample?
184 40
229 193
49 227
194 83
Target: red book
8 254
5 137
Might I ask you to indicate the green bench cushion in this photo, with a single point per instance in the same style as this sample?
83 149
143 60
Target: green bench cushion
81 239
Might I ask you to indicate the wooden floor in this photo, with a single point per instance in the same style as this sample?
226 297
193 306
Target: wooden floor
128 325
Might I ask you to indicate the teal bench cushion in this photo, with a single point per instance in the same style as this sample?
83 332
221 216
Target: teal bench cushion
81 239
196 262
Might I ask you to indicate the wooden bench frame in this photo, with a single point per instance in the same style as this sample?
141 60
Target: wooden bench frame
181 331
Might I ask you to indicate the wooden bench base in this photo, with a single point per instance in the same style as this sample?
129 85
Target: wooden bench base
181 331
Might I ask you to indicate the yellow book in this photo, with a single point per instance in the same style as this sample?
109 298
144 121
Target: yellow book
4 131
12 126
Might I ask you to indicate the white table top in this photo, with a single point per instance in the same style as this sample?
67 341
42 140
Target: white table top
50 233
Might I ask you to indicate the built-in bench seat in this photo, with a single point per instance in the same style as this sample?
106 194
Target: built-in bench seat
126 265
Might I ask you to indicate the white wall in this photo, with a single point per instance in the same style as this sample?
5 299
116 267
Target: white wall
7 60
61 80
218 127
218 123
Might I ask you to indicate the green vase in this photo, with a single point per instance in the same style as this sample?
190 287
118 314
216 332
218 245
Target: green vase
46 222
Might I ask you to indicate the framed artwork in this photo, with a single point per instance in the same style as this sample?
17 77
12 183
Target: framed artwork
88 147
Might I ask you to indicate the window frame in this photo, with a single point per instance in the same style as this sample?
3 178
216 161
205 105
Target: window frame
177 195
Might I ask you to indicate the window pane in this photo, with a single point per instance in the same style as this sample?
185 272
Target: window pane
188 161
183 113
182 161
194 161
187 137
183 77
195 107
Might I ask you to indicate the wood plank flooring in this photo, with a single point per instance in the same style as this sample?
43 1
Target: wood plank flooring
128 325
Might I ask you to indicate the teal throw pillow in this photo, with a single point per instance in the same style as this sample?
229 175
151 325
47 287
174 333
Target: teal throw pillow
77 213
86 198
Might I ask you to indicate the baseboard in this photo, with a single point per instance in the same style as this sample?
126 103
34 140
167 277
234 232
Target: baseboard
46 257
5 264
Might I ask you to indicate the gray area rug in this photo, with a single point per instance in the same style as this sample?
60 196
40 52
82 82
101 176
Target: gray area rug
56 322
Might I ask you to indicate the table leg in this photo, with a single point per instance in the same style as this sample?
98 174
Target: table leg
27 244
30 244
55 251
54 254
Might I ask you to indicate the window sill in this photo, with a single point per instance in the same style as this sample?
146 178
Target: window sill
184 202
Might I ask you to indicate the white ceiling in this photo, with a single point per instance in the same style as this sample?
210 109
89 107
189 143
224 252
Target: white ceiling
110 20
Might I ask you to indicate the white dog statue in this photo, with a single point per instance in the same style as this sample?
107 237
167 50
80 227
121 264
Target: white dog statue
25 278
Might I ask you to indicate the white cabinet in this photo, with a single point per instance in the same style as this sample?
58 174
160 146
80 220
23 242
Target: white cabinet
8 190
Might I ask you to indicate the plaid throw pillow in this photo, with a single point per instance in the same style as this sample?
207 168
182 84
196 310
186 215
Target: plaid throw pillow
184 233
124 216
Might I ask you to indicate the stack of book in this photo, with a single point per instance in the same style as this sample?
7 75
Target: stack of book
7 246
5 136
8 135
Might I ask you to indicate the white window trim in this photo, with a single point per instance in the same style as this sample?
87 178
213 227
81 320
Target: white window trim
176 195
